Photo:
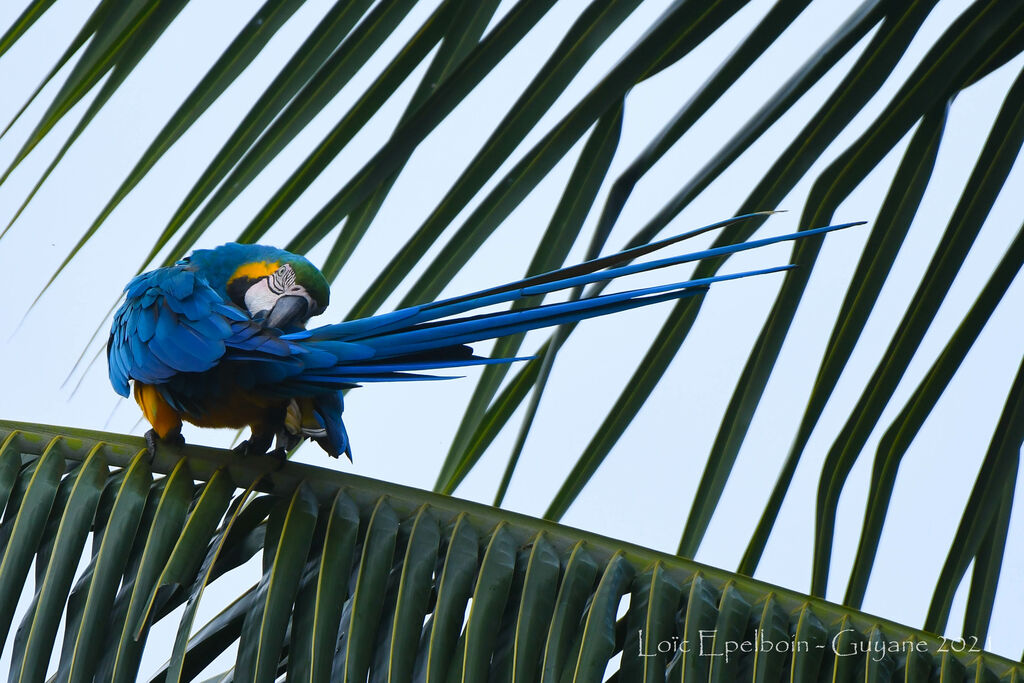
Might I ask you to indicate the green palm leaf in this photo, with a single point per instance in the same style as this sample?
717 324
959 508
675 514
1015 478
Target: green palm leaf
443 586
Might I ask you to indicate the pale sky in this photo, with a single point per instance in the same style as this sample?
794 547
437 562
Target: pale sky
401 432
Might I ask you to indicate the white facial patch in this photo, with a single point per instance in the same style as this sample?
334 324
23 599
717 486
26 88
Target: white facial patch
259 298
264 293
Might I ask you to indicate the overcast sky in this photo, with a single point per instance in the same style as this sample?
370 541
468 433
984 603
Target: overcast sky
401 432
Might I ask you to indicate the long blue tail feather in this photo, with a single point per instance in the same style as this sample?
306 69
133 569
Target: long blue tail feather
355 329
459 331
413 366
333 380
597 264
433 336
401 345
566 278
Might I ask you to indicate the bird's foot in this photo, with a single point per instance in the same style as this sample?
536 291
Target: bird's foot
287 441
153 439
280 456
246 449
254 445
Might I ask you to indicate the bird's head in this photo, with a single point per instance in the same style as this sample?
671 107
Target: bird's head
282 289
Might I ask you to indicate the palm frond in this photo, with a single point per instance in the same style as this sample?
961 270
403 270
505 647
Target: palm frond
360 577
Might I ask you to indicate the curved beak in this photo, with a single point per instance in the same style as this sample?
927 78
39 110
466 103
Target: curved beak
289 311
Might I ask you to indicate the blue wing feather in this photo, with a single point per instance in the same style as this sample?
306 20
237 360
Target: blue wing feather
166 326
145 323
179 286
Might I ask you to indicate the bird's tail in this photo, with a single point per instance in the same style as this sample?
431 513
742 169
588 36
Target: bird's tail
403 344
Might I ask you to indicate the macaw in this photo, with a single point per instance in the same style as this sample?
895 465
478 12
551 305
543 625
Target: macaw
219 339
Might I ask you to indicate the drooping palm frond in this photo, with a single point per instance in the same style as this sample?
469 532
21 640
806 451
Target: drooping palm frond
363 578
449 58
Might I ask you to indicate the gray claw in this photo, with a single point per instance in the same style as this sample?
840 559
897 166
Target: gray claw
153 439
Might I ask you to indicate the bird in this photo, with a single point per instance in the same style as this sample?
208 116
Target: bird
220 338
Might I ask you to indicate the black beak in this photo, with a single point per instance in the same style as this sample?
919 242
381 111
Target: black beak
289 312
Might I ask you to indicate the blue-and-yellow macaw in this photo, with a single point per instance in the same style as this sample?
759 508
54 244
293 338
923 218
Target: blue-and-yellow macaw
219 339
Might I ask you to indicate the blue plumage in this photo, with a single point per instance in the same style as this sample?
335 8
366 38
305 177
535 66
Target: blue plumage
218 339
